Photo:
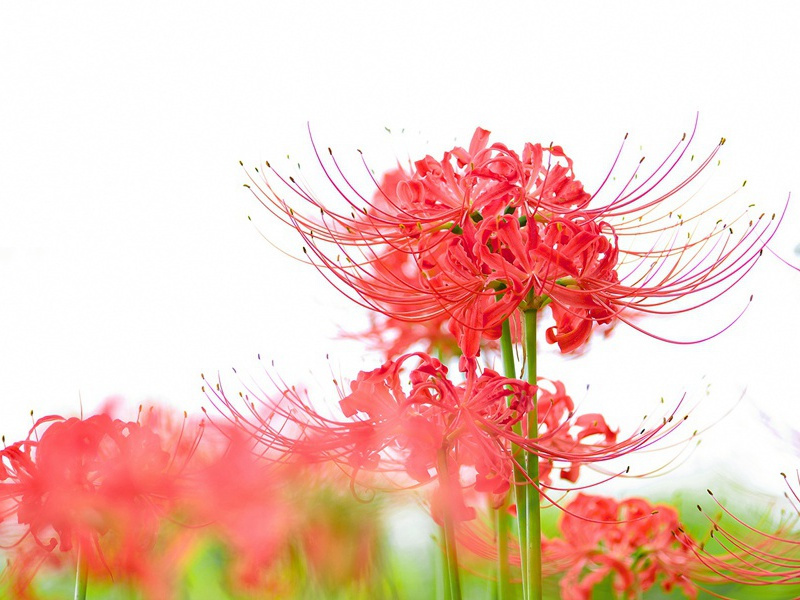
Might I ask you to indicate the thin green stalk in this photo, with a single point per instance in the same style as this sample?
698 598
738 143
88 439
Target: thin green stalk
451 552
503 568
443 563
503 518
507 350
533 567
81 574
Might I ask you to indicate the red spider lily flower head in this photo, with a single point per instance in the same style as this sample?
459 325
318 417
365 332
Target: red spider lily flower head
428 432
76 475
485 231
430 221
432 429
631 540
100 486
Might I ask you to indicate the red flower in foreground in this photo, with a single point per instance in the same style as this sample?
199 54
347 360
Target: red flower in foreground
99 487
460 435
485 231
429 432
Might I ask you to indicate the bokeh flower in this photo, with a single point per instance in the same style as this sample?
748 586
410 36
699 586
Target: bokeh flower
96 489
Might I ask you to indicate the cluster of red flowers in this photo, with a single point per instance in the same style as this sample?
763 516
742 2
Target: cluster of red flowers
459 434
96 488
631 544
450 254
130 500
485 231
453 254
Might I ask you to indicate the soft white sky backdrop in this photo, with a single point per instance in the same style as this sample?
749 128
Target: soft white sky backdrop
128 264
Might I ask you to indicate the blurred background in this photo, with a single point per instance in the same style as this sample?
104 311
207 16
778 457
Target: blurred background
132 259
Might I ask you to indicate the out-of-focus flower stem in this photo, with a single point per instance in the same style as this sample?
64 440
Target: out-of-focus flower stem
451 551
81 574
533 556
446 578
502 516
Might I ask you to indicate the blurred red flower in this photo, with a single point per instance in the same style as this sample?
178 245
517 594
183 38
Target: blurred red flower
98 488
432 429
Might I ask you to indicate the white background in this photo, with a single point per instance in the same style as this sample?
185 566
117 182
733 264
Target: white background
128 264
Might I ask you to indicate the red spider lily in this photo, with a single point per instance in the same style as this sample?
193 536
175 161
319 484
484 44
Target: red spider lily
97 486
630 540
435 430
485 231
436 427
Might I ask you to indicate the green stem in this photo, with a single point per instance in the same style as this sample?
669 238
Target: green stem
503 568
533 567
443 563
507 350
81 574
451 552
503 518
